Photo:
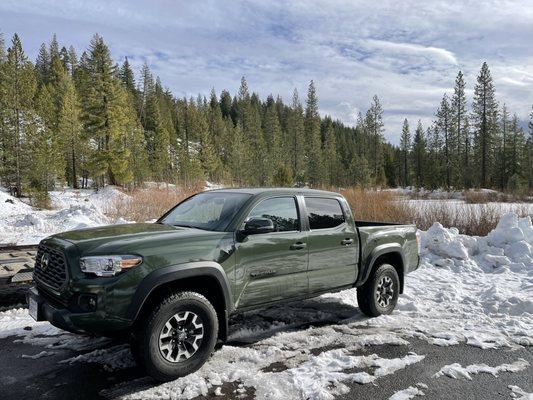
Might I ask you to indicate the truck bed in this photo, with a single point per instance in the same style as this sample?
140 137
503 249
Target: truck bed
375 235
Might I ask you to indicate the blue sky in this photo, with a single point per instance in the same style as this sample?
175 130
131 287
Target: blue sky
407 52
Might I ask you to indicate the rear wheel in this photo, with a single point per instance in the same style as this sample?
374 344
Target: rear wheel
379 295
177 337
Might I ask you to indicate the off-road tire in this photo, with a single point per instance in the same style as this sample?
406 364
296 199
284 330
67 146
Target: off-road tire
369 295
146 346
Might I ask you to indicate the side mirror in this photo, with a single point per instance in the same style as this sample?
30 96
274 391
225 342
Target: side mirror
258 225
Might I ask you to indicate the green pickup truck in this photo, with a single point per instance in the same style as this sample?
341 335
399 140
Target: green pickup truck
170 286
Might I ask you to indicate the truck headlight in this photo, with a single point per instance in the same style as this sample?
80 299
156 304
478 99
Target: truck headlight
108 265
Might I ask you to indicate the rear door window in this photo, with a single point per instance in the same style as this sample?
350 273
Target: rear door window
323 213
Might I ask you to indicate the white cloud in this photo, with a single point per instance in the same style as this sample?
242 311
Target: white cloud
413 49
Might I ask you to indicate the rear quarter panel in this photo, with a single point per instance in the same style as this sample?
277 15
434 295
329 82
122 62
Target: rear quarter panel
373 237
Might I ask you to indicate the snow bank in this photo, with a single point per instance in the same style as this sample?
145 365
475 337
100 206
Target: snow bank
474 290
72 209
508 246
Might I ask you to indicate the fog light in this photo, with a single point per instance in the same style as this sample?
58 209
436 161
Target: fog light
87 302
92 303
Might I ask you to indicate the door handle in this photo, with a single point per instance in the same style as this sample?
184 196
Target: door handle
298 246
347 242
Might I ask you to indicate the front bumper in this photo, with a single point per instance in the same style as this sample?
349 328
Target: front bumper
44 311
87 322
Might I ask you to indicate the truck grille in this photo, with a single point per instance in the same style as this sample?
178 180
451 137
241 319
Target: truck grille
50 267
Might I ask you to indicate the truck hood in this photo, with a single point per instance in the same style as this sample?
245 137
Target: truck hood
132 237
122 231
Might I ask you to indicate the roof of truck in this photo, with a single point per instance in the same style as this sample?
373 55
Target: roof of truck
276 190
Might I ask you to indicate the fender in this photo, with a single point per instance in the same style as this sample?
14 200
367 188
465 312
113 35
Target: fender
375 254
176 272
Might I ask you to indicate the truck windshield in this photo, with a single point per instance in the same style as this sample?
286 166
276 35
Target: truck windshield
212 211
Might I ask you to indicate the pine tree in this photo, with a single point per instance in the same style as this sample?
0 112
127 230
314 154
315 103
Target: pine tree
261 175
18 89
295 140
64 57
405 145
389 167
48 164
4 142
501 170
104 116
73 60
419 155
272 133
127 77
242 103
484 116
331 156
360 171
190 169
315 165
444 120
147 87
461 159
433 178
156 134
54 48
517 142
70 128
43 65
225 104
374 126
239 161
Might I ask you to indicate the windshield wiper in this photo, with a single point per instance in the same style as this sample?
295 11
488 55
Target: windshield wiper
187 226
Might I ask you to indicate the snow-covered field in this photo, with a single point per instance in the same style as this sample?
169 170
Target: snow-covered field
453 206
423 202
476 291
71 209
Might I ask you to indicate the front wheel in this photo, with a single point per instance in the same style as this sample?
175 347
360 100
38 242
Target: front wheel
379 294
177 337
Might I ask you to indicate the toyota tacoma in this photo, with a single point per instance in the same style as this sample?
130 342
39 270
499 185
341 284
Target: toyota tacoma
171 286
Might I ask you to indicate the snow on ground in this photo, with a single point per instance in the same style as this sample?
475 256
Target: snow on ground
456 371
473 290
423 206
519 394
113 358
71 209
409 393
423 201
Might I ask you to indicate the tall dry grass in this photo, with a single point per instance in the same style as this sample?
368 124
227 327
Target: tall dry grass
145 204
478 219
376 205
470 219
474 196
